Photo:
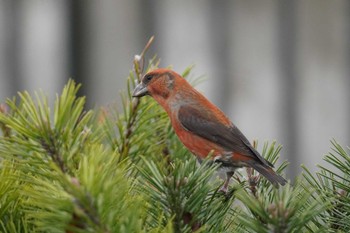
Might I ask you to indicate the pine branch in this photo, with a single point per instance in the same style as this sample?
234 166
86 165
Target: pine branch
332 184
184 196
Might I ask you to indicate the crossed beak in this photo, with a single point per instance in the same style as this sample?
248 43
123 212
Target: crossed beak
140 90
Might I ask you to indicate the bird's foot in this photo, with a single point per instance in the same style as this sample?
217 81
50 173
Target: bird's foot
223 189
226 193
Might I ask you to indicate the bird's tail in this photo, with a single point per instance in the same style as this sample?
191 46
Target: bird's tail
268 173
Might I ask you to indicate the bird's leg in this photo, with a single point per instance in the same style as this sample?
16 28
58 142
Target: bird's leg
224 187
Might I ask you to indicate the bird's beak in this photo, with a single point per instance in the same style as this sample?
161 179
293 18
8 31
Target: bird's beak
140 90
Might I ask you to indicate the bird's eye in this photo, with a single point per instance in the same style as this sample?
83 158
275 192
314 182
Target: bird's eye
148 78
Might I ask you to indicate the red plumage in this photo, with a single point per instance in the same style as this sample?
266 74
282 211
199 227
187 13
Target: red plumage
201 126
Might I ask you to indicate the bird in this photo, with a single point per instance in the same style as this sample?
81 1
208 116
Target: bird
202 127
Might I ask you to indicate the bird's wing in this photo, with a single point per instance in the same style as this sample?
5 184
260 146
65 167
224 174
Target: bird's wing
207 125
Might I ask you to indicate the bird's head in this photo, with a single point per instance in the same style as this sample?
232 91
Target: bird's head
158 83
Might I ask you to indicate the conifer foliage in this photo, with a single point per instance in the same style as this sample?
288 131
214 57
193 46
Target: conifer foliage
64 168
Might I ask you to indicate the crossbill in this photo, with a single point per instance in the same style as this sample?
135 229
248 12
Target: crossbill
202 127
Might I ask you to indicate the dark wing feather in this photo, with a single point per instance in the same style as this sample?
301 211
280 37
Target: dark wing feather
206 125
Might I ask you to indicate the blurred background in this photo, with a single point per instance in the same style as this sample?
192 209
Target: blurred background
279 69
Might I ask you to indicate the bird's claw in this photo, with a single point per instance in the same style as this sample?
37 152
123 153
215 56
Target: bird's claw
223 190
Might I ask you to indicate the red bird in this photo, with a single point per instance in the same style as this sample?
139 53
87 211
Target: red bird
202 127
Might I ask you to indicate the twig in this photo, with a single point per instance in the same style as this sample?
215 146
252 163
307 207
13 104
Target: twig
51 148
138 69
